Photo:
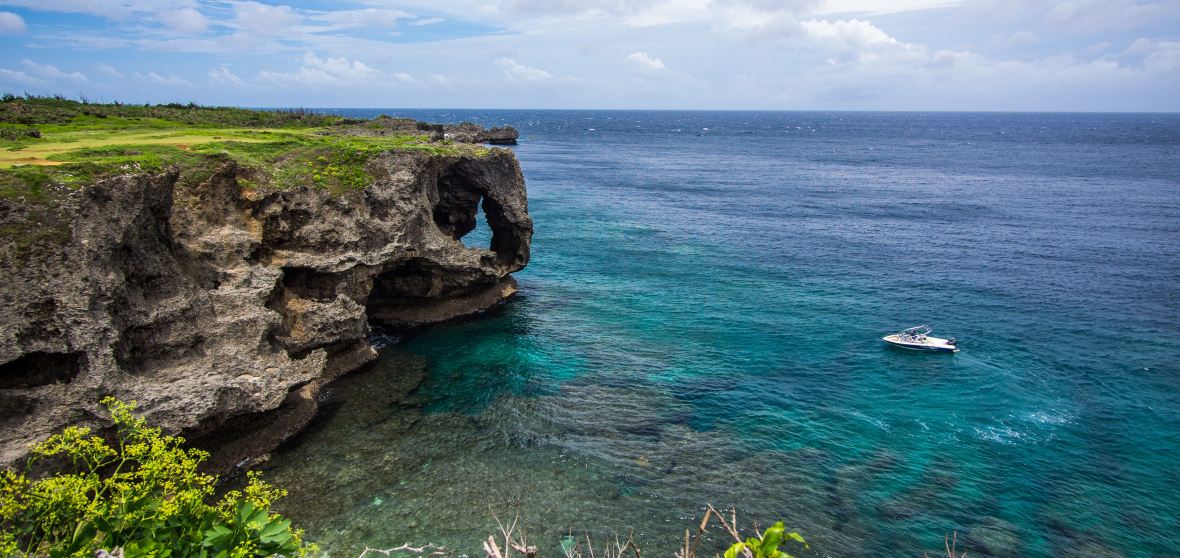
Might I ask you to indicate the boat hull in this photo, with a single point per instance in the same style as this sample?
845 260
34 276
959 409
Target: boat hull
931 345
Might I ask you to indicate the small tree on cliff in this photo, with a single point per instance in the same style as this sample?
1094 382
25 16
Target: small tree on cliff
145 496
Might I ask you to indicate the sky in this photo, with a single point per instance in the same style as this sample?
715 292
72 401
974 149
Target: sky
995 55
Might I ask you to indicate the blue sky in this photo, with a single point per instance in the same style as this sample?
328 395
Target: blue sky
1086 55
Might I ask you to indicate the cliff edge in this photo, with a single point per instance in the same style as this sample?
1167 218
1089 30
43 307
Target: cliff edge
223 289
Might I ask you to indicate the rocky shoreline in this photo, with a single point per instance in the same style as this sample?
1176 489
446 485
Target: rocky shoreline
223 308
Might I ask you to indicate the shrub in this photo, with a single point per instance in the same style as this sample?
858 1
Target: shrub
765 546
144 495
512 542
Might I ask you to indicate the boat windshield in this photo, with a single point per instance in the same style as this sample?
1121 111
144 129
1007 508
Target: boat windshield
917 333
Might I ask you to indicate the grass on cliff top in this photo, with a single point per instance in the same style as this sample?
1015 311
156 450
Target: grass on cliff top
43 111
54 141
50 146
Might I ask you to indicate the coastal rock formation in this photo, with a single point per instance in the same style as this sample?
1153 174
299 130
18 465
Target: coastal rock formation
474 133
466 132
502 135
223 308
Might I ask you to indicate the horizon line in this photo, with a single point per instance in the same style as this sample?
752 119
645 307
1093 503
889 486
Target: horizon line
949 111
87 100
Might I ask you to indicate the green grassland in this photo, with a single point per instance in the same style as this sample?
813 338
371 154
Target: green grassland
54 141
51 146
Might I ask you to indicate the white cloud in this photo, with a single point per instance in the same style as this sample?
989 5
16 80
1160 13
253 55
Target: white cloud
16 76
1155 56
515 71
427 21
975 54
1088 16
756 22
667 12
596 8
1098 48
403 78
177 15
262 20
318 71
644 61
223 75
527 14
109 71
53 73
45 76
880 7
853 33
114 9
1014 40
185 20
330 72
11 24
341 67
157 79
837 41
915 77
366 17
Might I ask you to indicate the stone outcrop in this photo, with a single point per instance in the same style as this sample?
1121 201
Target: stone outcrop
223 309
474 133
466 132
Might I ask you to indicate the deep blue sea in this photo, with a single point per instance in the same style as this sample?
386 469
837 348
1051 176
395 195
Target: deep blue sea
701 323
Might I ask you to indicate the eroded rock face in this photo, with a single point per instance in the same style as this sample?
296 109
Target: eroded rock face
468 132
223 310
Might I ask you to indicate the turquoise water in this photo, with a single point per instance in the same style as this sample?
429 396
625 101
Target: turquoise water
701 323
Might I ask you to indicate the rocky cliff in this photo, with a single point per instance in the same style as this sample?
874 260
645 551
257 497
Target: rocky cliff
223 307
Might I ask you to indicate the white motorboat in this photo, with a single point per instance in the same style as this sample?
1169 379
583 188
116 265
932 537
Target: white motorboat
919 339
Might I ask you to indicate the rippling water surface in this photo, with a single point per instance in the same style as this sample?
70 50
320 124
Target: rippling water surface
701 323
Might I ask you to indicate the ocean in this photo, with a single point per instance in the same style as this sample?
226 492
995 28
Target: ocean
701 323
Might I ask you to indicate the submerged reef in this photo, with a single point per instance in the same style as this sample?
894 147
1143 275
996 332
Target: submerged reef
220 266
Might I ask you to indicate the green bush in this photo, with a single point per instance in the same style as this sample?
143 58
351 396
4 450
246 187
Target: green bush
765 546
144 495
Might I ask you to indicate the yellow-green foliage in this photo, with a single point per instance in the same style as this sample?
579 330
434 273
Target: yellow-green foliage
77 143
144 494
766 546
35 111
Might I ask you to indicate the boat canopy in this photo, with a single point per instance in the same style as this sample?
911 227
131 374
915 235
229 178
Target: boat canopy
918 330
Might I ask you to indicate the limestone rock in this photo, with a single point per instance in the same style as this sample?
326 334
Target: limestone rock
222 310
474 133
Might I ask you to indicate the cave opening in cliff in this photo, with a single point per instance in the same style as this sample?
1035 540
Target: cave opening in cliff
39 369
481 235
466 214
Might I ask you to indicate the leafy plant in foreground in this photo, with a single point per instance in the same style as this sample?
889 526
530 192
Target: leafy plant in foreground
144 495
766 546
